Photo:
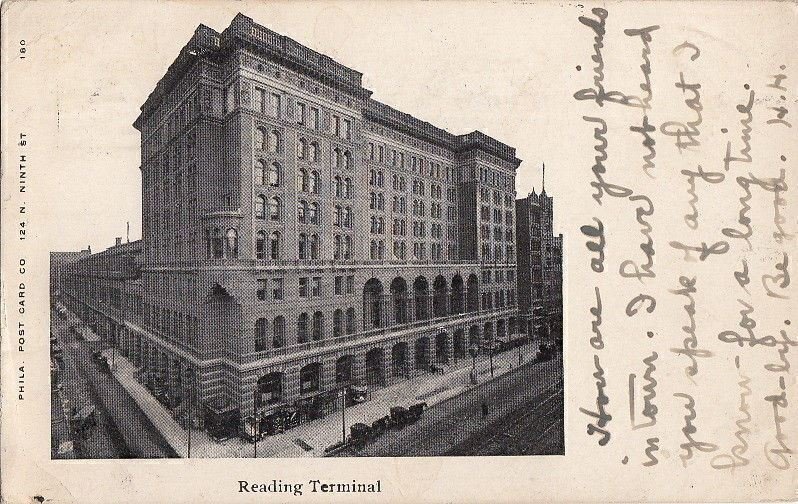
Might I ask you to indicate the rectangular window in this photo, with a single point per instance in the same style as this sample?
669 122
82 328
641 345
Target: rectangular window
347 129
303 287
350 284
314 118
336 125
316 286
277 289
339 285
300 112
275 104
261 293
260 100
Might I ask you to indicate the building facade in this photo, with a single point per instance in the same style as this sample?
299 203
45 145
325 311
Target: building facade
59 262
300 237
540 301
102 288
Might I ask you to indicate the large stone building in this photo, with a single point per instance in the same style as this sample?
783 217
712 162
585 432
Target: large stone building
540 302
300 236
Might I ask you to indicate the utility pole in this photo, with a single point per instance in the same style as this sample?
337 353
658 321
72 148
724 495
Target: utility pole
343 414
490 351
190 376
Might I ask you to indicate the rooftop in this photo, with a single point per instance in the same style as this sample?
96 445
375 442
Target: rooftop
244 32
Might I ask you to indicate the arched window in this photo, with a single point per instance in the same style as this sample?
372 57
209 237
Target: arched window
347 247
302 244
338 323
336 157
231 244
347 160
301 211
348 218
315 182
218 248
302 328
274 175
261 139
261 334
260 207
302 149
348 187
274 251
302 180
339 187
260 245
278 330
350 320
339 216
260 168
313 213
318 326
337 251
275 141
315 152
274 208
314 246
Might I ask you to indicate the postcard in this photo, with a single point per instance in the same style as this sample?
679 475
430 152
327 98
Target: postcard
399 252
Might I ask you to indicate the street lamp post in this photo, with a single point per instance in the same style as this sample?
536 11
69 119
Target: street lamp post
343 414
474 350
490 352
113 352
190 378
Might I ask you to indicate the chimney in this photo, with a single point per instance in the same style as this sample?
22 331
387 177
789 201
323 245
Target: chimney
118 241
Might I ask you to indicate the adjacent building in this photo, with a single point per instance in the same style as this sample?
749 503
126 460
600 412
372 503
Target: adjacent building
299 236
59 261
540 303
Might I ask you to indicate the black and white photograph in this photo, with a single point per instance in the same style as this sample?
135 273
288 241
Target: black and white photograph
318 274
403 251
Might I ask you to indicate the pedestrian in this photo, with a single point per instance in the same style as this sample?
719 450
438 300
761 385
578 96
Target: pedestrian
484 409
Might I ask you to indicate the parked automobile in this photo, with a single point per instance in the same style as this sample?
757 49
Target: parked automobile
360 433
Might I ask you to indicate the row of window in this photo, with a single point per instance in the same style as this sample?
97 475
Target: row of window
485 195
271 103
380 154
499 299
307 181
499 276
498 235
485 215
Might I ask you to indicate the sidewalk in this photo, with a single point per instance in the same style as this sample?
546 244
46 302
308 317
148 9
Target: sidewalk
318 434
73 319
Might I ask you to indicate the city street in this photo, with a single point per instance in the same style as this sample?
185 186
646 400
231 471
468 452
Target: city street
525 417
122 430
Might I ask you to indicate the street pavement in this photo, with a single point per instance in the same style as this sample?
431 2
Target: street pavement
311 438
524 417
122 431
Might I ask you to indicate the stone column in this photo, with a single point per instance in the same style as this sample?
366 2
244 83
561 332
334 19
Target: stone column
359 367
291 384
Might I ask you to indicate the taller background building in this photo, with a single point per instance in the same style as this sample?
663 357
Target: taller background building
540 301
300 237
